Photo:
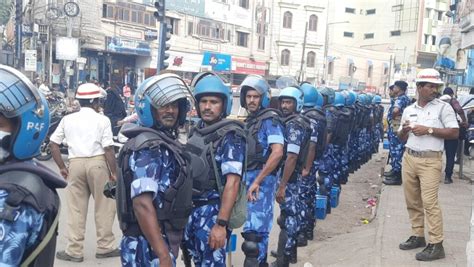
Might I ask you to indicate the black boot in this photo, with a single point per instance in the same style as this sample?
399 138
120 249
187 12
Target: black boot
396 179
301 240
293 255
282 238
448 180
389 173
413 242
431 252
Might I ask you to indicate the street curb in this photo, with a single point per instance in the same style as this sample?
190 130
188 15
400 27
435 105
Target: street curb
380 217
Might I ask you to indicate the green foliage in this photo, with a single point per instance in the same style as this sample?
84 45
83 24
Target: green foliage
5 9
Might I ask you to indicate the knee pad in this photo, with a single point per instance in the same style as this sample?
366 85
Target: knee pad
250 249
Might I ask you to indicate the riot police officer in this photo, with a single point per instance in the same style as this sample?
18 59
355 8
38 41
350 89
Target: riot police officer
401 101
265 150
297 135
154 185
378 120
29 203
217 148
312 109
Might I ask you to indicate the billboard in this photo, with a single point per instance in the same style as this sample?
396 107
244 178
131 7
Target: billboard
218 62
67 48
450 55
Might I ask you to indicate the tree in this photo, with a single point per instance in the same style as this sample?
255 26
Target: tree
5 10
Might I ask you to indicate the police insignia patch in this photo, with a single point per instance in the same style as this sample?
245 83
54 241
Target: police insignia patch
293 136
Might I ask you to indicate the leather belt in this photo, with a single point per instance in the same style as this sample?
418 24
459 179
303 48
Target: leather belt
424 154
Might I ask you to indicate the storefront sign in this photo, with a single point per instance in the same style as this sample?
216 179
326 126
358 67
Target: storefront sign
186 62
151 35
67 48
30 60
247 66
120 45
218 62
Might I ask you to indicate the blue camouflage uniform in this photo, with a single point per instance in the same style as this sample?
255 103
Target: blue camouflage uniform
308 187
153 172
396 145
20 235
291 209
230 156
260 212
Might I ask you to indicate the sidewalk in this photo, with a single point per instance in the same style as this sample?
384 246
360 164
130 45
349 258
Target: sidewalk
377 243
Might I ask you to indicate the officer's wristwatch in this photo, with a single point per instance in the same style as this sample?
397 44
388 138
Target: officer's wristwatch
223 223
430 131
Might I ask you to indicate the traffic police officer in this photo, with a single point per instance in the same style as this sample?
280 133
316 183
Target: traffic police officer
29 203
401 101
265 144
156 173
218 149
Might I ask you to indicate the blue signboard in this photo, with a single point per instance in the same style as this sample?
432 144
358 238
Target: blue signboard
191 7
219 62
120 45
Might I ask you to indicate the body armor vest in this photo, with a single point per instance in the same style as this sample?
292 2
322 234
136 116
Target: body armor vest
304 124
341 125
256 158
319 116
177 202
34 185
198 148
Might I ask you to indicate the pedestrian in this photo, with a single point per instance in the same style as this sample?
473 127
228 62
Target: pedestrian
127 93
91 164
29 202
217 147
465 101
297 135
114 108
424 126
451 145
265 149
154 173
401 101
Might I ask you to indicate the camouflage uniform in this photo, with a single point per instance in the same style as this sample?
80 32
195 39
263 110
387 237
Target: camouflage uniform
294 135
230 156
396 145
308 188
260 212
20 235
153 172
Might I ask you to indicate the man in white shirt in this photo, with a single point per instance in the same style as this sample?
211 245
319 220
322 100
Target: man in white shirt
424 126
91 165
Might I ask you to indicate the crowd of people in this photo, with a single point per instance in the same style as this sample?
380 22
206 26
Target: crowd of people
173 198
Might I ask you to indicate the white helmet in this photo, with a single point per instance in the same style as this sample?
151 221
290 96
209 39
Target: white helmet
89 91
429 76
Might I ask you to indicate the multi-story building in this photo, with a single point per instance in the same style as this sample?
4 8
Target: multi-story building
297 51
404 32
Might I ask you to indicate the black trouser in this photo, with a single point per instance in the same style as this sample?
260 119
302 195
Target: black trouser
451 146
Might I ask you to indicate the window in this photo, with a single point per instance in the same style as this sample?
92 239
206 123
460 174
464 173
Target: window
126 15
244 3
433 39
440 15
242 39
310 59
261 42
313 23
190 28
287 19
348 34
369 36
174 25
370 12
351 69
146 19
395 33
285 57
426 38
369 71
134 16
350 10
140 17
210 29
107 11
428 13
385 70
331 68
229 35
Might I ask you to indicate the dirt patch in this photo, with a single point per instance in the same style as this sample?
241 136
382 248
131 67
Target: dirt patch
349 216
